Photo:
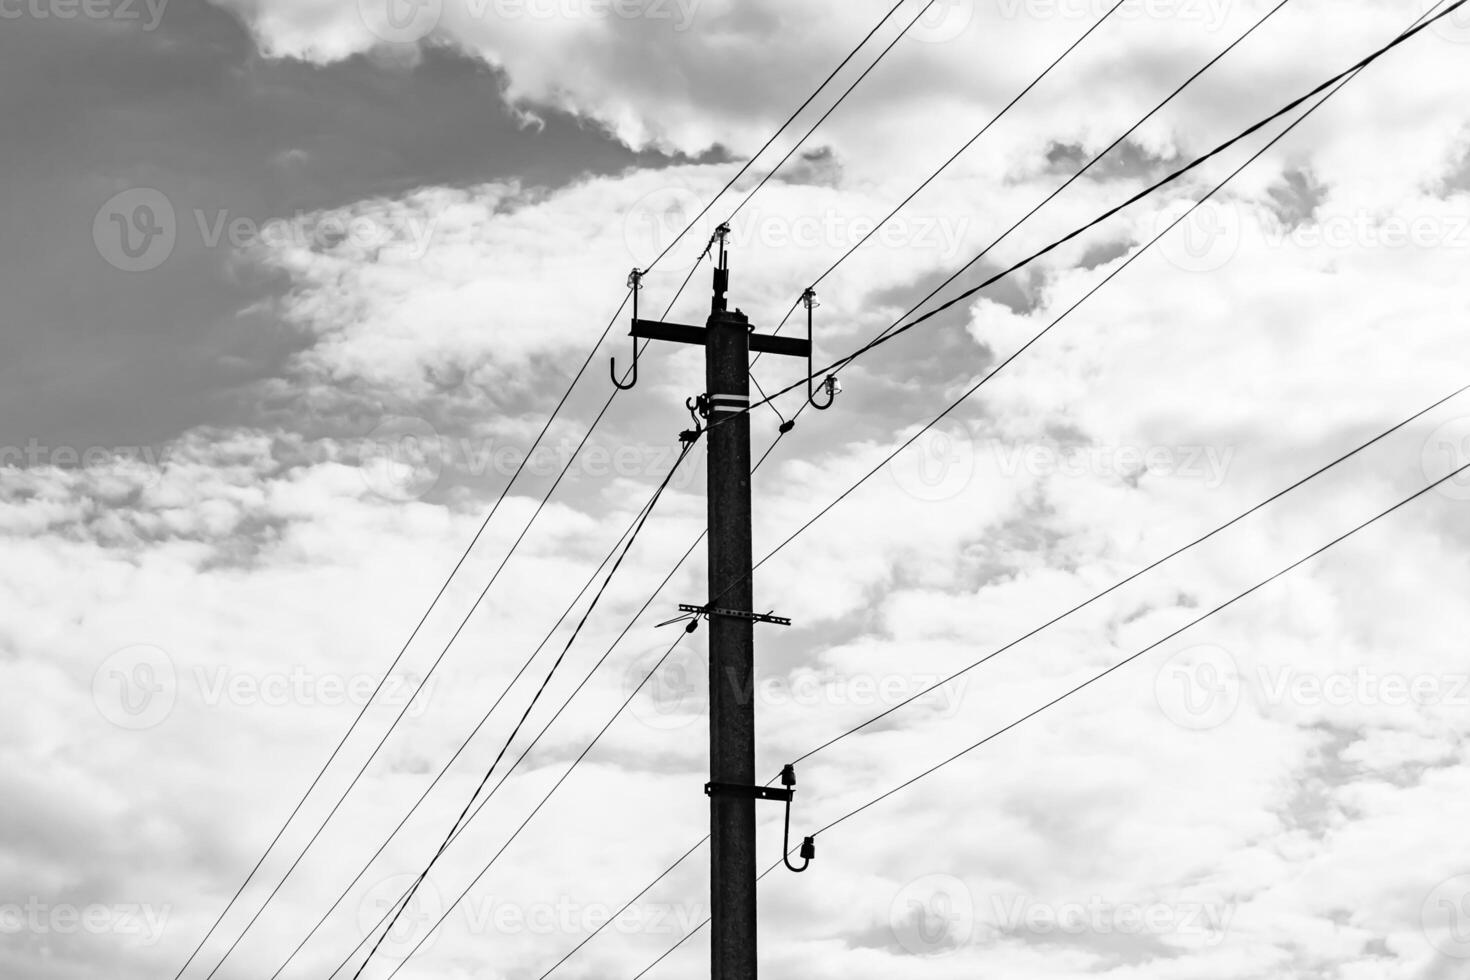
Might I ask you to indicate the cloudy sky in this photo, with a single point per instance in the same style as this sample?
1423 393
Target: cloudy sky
292 286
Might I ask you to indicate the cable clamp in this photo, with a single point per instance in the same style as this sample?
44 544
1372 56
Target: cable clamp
743 792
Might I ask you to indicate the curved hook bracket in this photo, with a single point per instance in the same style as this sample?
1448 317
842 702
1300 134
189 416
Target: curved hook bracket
808 844
830 386
635 283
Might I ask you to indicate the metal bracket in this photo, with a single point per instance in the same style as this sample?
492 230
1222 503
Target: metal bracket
749 792
755 617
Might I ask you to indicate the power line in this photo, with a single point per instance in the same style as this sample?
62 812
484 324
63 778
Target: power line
1290 106
1152 646
612 572
881 55
647 677
941 168
496 506
1097 158
1136 575
774 136
971 142
1085 684
382 741
463 746
397 659
1033 340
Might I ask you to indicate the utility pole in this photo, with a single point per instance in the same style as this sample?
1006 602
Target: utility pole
728 340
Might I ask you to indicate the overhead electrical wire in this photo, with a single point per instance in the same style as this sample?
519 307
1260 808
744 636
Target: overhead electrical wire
551 673
1089 682
1260 152
567 702
1094 161
1152 188
336 751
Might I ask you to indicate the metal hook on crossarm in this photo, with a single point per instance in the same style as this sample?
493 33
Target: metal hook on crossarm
808 844
830 386
635 283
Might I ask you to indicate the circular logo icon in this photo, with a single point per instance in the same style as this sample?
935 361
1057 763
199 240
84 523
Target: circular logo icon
1455 27
938 465
402 459
416 924
1446 917
136 687
1198 688
1446 450
943 21
669 698
655 219
136 230
933 915
1206 237
400 21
